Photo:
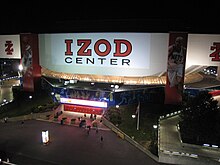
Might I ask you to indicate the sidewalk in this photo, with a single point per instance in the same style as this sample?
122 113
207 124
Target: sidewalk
173 151
74 118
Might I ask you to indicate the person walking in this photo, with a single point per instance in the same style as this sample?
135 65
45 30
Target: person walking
5 119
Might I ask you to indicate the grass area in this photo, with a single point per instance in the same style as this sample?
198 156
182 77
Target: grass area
23 105
146 135
129 125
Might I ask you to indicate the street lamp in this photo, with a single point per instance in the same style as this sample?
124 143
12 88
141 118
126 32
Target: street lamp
133 116
155 131
20 68
138 122
155 126
116 86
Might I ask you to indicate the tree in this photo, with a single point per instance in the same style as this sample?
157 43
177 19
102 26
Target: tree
200 120
114 115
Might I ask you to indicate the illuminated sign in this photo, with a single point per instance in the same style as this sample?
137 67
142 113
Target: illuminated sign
121 54
84 102
45 136
90 53
102 48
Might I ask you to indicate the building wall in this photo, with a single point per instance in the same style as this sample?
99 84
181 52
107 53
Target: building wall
68 53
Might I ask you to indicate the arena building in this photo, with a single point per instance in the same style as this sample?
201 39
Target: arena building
99 70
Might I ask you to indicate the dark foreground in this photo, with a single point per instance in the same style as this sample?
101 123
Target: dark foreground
68 145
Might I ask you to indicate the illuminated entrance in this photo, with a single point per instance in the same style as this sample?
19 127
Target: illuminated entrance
84 106
83 109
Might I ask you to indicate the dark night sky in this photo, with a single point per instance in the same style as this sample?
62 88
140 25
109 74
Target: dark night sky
111 16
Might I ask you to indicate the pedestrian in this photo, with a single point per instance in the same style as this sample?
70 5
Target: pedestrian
89 127
5 119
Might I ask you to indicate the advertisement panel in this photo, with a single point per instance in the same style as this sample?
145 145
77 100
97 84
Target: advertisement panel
10 46
30 61
116 54
175 68
203 49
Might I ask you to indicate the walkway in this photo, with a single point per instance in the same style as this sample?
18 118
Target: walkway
74 118
175 152
68 145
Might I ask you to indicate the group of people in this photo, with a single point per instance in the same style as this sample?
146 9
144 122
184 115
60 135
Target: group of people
96 130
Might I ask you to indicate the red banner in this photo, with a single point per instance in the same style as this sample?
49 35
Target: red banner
30 61
175 68
83 109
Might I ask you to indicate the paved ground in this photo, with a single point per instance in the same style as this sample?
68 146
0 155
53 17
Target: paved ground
68 145
78 117
72 145
170 142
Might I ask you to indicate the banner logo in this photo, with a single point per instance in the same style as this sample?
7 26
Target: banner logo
216 54
9 48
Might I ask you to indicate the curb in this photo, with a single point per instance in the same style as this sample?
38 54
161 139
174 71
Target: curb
75 125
